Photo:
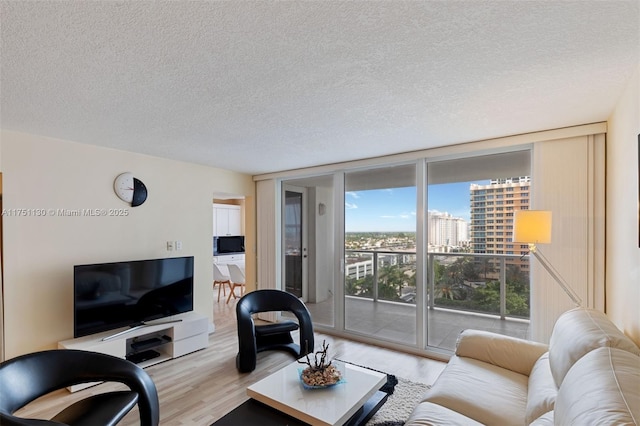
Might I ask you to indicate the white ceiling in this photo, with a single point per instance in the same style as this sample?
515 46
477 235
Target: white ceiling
275 85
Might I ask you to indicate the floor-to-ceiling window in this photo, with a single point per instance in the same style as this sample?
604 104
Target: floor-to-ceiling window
473 275
380 253
456 267
476 276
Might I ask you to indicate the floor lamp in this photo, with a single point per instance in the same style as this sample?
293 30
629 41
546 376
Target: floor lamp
534 227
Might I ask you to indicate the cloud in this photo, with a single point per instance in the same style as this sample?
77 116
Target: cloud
350 206
352 194
401 216
410 215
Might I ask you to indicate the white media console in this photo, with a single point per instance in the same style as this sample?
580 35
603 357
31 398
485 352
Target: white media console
152 343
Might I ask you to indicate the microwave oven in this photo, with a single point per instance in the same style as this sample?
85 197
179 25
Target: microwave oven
228 245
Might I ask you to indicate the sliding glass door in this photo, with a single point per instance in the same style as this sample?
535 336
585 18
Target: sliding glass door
411 254
477 277
380 253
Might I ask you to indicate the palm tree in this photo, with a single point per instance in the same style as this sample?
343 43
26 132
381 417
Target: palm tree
446 291
391 279
449 279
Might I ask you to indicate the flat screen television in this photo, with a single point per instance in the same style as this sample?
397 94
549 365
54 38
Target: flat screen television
228 245
107 296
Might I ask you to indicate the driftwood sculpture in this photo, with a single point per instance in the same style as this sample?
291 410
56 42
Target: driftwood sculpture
322 372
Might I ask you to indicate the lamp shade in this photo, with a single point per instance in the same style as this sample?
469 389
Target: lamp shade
532 226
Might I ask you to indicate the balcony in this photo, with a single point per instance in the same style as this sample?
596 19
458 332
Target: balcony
463 290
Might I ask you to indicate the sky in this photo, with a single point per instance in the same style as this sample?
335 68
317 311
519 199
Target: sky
394 210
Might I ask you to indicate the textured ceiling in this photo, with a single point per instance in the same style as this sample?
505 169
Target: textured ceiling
267 86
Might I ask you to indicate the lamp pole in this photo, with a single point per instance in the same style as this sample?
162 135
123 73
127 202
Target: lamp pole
555 274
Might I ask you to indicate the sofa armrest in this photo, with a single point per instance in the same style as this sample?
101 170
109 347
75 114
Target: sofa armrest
514 354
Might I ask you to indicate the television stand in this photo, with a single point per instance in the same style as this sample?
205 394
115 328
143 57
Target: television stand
149 343
138 326
140 357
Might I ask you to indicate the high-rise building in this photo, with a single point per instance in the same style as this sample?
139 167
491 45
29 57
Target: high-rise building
492 212
446 230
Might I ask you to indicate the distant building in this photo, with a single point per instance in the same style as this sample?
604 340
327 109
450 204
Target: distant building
446 230
492 211
358 267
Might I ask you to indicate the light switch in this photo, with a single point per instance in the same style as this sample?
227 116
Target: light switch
169 245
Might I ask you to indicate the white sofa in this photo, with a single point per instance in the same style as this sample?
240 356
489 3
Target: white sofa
589 374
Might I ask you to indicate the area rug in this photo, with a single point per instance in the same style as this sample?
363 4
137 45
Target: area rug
404 396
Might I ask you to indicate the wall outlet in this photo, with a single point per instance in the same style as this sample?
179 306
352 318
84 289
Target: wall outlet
178 245
169 245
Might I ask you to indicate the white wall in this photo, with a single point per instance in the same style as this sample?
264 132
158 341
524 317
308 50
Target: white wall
39 252
623 254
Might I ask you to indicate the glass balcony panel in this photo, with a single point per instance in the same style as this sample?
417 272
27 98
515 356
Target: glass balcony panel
485 292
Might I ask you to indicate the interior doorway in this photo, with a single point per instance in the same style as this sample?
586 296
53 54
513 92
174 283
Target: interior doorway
228 222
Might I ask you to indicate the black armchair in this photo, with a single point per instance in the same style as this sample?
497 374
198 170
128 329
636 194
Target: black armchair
257 338
28 377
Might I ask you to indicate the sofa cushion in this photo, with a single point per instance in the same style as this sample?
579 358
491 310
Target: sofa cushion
542 390
481 391
547 419
514 354
429 414
578 332
602 388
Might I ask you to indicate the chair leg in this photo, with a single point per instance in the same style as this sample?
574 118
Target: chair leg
221 285
233 292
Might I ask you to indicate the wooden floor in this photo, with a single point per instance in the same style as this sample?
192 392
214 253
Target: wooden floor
201 387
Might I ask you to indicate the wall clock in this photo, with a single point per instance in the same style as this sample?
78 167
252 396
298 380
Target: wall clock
130 189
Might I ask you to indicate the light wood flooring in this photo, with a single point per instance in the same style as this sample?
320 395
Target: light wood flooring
199 388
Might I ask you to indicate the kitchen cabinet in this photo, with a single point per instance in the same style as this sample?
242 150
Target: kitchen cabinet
227 220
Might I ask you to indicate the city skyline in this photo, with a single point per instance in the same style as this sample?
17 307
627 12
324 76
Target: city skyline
394 209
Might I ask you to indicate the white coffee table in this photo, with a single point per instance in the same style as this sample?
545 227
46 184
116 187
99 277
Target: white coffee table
284 391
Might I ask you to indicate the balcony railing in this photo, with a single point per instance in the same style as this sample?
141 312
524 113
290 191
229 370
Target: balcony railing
495 284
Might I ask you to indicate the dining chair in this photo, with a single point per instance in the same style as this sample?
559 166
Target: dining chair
237 280
221 279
